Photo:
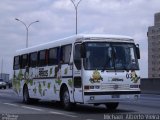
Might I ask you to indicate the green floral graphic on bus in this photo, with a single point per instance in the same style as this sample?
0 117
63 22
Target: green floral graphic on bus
26 82
70 82
31 82
16 85
20 75
17 81
40 89
49 85
58 81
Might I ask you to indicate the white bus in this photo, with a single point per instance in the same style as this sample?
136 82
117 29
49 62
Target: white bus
85 68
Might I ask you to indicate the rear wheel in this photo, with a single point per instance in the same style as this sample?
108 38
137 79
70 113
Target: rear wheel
112 106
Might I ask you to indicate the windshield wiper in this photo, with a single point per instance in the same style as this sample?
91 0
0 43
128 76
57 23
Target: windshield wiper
114 59
105 65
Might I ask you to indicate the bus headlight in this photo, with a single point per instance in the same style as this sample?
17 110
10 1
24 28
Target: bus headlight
97 87
91 97
92 87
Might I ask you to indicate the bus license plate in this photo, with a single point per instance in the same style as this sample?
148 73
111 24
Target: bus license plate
115 96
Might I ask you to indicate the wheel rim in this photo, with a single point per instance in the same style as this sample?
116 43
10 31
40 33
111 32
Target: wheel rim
66 98
25 95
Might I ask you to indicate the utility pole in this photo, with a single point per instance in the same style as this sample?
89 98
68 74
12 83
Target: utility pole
1 67
27 28
76 9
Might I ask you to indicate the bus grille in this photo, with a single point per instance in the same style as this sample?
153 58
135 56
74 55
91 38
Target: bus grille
115 87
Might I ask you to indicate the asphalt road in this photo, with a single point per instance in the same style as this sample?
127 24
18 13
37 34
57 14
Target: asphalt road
11 106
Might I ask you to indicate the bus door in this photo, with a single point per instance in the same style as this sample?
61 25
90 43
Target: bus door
77 80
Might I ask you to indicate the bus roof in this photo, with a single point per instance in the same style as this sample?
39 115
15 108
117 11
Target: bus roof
104 36
76 38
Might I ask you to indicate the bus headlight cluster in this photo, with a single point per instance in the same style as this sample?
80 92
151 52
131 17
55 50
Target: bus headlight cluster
92 87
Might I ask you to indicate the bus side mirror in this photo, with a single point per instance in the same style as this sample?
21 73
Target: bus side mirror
83 51
138 51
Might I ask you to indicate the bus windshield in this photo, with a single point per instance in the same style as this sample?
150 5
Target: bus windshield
110 56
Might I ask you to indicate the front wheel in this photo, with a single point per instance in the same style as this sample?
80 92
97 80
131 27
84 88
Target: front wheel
26 98
112 106
66 100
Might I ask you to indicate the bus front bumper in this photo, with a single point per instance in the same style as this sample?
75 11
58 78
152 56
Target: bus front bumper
110 96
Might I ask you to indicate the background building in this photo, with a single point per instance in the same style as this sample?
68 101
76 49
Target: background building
154 48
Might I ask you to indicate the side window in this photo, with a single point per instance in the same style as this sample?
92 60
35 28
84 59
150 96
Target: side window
33 59
16 63
24 61
77 82
53 56
66 53
77 56
42 58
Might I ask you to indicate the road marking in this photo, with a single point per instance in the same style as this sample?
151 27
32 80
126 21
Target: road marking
31 108
90 119
64 114
6 95
11 104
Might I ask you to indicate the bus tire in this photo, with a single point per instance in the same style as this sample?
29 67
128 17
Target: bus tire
66 100
112 106
26 98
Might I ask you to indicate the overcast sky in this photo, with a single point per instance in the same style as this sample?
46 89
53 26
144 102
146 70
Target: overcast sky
57 20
